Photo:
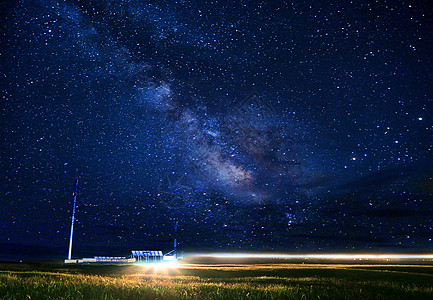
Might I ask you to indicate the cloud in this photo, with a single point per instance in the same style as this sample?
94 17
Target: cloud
397 213
375 181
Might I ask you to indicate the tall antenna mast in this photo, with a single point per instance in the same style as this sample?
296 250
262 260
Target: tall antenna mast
176 222
75 194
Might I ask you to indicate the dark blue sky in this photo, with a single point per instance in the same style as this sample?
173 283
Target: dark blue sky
297 127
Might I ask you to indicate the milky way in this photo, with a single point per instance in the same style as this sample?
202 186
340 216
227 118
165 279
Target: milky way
294 126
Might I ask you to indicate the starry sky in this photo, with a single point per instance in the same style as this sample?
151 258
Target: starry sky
296 126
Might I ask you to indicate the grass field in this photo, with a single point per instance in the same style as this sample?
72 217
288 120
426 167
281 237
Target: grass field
217 281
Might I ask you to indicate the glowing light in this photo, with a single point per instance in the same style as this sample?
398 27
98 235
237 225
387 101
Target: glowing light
157 268
159 265
314 256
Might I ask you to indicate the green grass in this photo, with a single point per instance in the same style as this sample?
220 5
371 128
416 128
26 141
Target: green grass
200 281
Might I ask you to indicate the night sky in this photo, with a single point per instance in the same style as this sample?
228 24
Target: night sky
301 126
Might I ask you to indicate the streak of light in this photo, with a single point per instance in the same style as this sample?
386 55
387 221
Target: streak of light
313 256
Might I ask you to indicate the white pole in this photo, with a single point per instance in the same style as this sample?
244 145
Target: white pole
73 219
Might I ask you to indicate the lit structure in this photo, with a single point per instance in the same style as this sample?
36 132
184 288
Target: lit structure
147 255
101 259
